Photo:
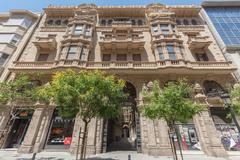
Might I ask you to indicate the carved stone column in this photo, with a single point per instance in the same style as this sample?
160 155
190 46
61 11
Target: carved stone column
91 139
206 130
32 132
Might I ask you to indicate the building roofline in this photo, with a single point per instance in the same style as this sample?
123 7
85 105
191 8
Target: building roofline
25 12
217 3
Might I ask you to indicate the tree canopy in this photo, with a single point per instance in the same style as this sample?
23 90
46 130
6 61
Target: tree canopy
235 98
171 103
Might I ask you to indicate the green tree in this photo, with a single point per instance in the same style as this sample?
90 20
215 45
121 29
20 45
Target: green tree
235 98
12 93
86 94
172 103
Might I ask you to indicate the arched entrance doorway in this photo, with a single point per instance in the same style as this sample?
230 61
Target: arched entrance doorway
123 132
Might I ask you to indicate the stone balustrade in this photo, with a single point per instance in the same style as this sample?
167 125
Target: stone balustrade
208 65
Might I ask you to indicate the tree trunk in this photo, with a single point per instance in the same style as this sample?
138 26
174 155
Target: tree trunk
78 143
179 140
83 140
170 133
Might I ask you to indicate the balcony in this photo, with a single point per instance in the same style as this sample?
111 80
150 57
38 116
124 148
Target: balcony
166 38
77 38
190 29
167 66
199 42
46 43
121 42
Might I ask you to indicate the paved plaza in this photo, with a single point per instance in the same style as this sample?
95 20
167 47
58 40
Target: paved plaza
119 155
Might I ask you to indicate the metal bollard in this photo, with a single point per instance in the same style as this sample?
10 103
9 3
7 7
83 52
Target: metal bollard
129 157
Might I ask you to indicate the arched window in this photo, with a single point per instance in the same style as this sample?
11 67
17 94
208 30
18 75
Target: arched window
178 22
133 22
185 22
50 22
110 22
58 22
194 22
212 88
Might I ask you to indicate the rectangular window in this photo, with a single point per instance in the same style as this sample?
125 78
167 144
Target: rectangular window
155 28
164 29
15 40
43 57
21 21
82 53
88 30
106 57
202 57
78 30
136 57
171 52
3 58
72 52
121 57
160 53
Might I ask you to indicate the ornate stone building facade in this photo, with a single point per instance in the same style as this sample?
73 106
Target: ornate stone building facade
138 44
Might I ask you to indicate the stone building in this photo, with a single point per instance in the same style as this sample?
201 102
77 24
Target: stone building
138 44
16 27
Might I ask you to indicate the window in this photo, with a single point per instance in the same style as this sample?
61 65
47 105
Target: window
50 22
178 22
160 53
140 22
155 28
103 22
185 22
164 29
171 52
194 22
58 22
202 57
82 53
3 58
21 21
136 57
43 57
16 38
106 57
110 22
78 30
88 30
133 22
72 52
65 22
121 57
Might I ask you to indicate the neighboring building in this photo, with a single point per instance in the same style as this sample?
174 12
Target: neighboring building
15 29
223 19
138 44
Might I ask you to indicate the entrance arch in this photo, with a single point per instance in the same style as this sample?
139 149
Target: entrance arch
123 131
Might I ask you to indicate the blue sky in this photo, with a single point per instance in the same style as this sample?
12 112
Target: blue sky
37 5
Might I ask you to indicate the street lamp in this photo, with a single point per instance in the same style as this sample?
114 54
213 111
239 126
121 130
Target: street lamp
227 101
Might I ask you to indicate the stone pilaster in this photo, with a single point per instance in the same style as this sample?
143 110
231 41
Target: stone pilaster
207 133
43 130
4 117
91 139
99 136
155 139
32 132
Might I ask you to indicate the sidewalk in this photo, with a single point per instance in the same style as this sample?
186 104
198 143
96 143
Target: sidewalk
119 155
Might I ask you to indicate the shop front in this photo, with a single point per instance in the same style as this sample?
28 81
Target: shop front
226 129
60 133
18 129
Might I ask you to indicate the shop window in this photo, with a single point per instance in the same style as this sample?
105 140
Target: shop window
43 57
185 22
121 57
201 57
3 58
136 57
78 30
60 133
160 53
187 136
72 52
106 57
171 52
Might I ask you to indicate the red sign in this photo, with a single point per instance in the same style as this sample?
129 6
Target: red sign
67 140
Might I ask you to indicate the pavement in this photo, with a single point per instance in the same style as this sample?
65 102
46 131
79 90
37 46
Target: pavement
117 155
